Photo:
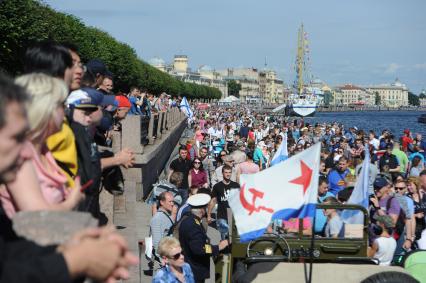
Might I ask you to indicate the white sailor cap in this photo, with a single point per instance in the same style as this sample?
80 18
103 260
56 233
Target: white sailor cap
199 200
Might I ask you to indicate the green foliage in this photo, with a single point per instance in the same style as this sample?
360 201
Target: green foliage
377 98
24 22
234 88
328 97
413 99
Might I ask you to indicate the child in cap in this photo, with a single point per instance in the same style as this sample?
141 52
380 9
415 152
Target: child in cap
384 246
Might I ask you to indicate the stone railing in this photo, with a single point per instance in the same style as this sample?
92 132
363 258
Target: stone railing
140 131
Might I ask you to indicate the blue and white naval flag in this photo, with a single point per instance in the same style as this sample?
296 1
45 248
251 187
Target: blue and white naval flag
186 108
360 194
286 190
282 152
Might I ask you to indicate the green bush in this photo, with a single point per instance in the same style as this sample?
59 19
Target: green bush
24 22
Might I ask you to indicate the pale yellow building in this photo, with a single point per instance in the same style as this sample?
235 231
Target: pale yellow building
391 95
350 94
256 86
248 78
274 88
180 64
179 69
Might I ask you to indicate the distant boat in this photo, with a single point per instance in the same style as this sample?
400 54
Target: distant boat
305 100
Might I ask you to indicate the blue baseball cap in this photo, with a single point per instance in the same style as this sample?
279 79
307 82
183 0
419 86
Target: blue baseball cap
380 183
89 98
96 66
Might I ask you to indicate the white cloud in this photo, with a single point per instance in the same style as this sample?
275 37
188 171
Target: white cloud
421 66
392 68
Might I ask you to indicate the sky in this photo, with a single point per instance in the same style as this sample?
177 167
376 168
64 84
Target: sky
362 42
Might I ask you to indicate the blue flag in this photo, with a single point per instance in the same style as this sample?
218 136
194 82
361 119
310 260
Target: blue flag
359 194
185 108
282 152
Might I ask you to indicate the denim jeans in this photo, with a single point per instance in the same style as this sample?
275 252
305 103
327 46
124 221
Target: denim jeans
223 228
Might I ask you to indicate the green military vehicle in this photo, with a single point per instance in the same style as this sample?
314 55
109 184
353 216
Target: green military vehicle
281 256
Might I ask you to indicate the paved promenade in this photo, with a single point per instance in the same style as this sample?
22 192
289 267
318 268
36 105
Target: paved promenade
126 224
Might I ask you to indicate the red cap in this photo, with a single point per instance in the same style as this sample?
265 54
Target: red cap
123 102
406 131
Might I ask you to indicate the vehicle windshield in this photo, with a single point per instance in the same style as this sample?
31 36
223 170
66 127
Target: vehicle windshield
331 221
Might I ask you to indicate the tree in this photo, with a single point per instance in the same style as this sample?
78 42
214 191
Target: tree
377 98
413 99
25 22
328 96
234 88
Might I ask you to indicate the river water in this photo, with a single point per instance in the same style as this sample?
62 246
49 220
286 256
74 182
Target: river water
395 121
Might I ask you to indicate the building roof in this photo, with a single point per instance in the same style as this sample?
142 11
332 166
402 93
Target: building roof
350 87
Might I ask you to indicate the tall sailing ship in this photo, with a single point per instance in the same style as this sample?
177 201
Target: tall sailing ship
305 98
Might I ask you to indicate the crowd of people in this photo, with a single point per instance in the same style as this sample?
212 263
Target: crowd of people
56 125
232 141
56 116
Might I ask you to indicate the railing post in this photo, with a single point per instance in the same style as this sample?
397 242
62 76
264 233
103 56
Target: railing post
166 120
131 134
151 130
160 120
173 118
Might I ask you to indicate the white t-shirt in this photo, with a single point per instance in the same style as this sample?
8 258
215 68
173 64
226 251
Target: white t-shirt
421 243
386 249
375 143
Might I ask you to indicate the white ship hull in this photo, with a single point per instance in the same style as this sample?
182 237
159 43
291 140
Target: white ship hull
303 107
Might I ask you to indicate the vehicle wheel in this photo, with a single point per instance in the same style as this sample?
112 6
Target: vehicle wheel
245 275
390 277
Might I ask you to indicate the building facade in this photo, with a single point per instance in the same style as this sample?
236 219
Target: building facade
257 86
350 94
391 95
179 69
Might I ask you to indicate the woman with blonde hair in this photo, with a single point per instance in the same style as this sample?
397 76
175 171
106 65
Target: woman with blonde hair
419 200
40 183
175 269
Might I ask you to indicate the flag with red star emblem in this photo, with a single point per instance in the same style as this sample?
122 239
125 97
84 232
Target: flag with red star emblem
286 190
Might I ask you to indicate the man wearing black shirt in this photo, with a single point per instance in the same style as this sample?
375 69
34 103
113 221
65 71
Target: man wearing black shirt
181 164
220 195
388 163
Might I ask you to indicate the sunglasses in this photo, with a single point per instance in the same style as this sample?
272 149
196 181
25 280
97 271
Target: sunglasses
176 256
197 162
400 188
223 155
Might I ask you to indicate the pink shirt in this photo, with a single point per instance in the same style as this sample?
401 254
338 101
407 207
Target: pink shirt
248 167
52 183
202 124
293 223
199 135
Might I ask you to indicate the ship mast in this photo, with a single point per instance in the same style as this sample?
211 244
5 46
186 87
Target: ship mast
300 60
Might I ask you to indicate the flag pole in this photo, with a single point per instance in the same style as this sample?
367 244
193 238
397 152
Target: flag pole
311 253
